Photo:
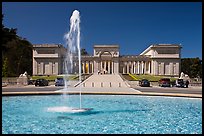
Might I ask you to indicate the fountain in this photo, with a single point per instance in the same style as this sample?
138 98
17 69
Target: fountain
73 53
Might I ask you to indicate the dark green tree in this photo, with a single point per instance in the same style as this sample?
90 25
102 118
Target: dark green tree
192 67
17 51
5 68
200 69
84 52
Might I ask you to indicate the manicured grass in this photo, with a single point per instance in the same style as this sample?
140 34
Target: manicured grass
149 77
72 77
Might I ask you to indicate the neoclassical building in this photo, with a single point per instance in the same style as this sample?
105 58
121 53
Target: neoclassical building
157 59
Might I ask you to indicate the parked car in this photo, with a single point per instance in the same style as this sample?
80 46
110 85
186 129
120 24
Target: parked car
179 83
144 83
59 81
41 82
164 82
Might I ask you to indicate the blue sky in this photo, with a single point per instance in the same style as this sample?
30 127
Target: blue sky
131 25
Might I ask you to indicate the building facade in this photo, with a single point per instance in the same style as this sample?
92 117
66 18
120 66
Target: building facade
48 59
158 59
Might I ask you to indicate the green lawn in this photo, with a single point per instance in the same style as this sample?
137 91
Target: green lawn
72 77
149 77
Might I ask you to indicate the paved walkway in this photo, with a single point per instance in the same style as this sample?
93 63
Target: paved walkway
32 90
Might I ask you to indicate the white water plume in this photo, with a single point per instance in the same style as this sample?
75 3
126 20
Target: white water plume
73 49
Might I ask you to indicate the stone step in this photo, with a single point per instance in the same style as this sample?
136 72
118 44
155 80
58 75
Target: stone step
105 81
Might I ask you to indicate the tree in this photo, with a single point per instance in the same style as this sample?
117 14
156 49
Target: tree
5 68
16 53
84 52
192 67
200 69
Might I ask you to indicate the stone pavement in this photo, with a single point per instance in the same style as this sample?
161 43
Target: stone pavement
94 90
100 90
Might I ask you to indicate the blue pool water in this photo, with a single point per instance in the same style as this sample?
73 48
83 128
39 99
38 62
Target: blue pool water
111 114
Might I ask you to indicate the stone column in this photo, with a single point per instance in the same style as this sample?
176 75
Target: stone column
123 69
174 68
171 68
149 65
85 67
101 65
132 68
116 66
113 67
50 68
155 64
142 71
177 69
92 67
35 67
145 67
142 67
83 70
53 67
57 67
105 65
152 68
138 67
96 67
128 67
41 68
108 67
162 68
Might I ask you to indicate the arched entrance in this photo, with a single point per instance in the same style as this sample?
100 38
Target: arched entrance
106 63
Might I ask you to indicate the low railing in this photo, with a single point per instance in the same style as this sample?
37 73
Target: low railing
84 77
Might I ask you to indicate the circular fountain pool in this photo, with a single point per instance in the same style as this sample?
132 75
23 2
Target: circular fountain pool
110 114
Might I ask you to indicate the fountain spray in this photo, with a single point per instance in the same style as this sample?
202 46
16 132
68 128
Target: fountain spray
73 52
73 45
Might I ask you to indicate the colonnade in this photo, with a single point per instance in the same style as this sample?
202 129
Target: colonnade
136 67
133 67
106 67
87 67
